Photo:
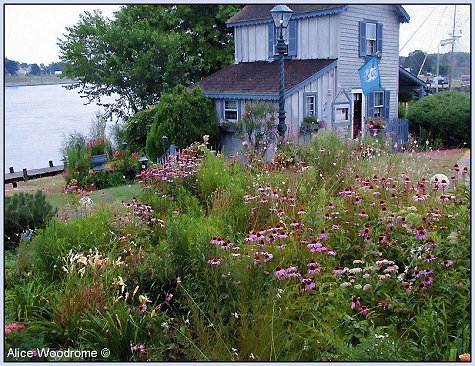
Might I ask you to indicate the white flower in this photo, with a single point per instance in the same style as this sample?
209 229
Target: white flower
366 287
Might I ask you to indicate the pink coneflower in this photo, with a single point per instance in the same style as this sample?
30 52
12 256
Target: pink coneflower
419 197
315 246
456 168
421 233
363 310
335 226
447 263
338 271
355 302
313 268
295 224
364 233
322 235
383 262
215 261
282 235
429 258
443 198
307 284
301 212
363 214
327 216
169 297
384 305
227 245
142 308
292 272
280 273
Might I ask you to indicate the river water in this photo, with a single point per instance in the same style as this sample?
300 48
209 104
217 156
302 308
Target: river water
37 119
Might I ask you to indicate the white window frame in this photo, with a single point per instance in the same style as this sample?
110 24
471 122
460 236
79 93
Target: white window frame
371 39
231 109
378 108
312 111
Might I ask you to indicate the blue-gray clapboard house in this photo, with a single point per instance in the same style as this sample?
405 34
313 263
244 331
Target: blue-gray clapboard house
327 44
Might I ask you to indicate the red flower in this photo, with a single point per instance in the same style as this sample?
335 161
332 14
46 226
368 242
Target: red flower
134 155
117 154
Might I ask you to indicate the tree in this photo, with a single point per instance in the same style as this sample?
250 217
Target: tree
145 51
184 116
35 69
11 67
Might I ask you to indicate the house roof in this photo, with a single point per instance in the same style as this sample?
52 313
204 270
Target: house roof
261 78
409 79
261 13
255 14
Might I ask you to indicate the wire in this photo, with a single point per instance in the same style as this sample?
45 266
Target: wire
413 34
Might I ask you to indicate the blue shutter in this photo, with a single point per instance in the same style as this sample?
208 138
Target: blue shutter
379 37
362 39
271 39
292 38
387 99
370 101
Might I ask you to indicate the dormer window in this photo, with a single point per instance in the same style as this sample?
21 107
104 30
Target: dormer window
371 38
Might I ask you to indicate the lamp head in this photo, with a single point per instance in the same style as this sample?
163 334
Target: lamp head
281 15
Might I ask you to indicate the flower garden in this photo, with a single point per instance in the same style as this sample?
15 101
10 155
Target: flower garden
334 251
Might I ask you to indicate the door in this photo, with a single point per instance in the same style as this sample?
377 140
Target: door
357 114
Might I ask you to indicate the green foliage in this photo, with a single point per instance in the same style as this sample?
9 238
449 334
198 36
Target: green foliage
137 128
25 211
103 179
259 125
145 51
184 116
55 241
444 116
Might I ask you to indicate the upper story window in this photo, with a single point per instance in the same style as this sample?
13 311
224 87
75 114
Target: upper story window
290 37
371 38
231 110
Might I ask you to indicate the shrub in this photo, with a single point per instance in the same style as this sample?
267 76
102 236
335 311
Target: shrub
102 180
184 116
137 128
25 211
445 115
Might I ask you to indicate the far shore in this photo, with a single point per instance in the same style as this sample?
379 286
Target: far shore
29 80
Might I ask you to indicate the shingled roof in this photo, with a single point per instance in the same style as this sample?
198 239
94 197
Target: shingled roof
261 12
261 77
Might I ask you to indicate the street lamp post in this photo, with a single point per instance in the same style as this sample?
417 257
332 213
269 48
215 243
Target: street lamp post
444 42
281 15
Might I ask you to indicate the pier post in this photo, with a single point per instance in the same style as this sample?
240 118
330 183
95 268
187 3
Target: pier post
50 163
25 175
11 170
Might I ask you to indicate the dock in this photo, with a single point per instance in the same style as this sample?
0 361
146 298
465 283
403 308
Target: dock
25 175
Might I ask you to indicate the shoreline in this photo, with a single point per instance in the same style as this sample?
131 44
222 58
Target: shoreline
38 82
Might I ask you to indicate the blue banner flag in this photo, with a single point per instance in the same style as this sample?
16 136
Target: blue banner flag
369 76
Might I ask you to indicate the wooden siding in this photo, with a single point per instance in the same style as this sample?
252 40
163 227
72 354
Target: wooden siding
294 105
318 37
348 60
251 43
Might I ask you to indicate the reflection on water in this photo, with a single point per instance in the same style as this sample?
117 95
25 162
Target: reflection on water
37 118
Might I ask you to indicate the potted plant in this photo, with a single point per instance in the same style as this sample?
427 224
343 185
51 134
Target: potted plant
127 163
310 124
375 124
97 149
227 126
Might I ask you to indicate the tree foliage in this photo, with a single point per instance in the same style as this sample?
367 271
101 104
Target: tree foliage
11 67
137 127
444 116
184 116
145 51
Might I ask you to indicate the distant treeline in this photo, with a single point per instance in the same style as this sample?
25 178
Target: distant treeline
415 60
13 68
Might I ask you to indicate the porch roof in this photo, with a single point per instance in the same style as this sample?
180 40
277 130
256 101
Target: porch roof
250 80
408 79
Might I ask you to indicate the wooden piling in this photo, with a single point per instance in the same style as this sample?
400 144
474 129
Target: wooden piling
50 163
25 175
11 170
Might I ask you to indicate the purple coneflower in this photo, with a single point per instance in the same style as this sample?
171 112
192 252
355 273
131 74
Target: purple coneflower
338 271
364 233
322 235
215 261
421 233
447 263
363 310
307 284
355 302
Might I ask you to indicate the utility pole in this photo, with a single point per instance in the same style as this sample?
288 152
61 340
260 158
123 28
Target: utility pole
452 54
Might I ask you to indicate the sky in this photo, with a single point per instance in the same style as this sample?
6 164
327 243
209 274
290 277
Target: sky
31 31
